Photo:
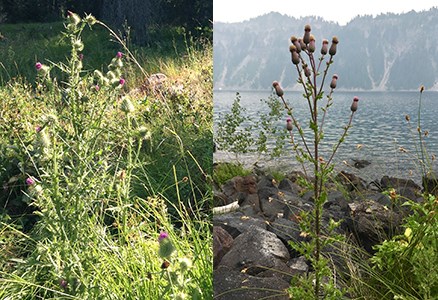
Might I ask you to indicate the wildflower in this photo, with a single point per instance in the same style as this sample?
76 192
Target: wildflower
296 43
185 264
393 194
91 20
334 81
73 18
302 44
30 181
312 46
289 125
38 129
38 66
78 45
166 247
63 283
324 47
165 264
122 81
119 54
295 55
306 37
163 235
96 87
332 50
354 104
278 89
306 70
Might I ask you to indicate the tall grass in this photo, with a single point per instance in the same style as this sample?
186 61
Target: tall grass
101 172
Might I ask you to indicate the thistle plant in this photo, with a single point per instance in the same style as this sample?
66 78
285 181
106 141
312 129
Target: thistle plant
312 74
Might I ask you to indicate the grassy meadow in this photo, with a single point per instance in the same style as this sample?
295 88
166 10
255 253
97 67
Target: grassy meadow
105 175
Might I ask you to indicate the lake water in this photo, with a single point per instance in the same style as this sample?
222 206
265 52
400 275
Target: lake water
379 130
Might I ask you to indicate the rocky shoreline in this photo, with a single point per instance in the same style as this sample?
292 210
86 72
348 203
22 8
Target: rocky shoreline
252 256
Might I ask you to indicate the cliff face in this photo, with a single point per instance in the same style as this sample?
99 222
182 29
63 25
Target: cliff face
387 52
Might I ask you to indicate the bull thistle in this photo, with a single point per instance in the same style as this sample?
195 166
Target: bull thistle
308 148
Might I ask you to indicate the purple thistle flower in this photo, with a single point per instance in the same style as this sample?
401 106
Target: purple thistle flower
278 89
289 125
334 81
122 81
354 104
163 235
119 54
63 283
38 66
38 129
30 181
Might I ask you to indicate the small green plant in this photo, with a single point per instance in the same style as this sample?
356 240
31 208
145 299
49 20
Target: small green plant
319 284
231 135
225 171
237 133
406 265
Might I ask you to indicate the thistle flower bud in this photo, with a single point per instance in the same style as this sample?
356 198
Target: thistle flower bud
306 70
163 235
295 55
312 46
73 18
91 20
302 44
306 37
185 264
278 89
42 69
289 125
78 45
354 104
334 81
30 181
324 47
296 42
127 105
166 248
332 50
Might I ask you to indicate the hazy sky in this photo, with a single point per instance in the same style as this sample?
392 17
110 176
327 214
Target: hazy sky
340 11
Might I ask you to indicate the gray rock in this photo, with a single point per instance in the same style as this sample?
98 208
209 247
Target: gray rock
299 264
430 184
230 284
372 223
258 252
236 223
222 242
351 182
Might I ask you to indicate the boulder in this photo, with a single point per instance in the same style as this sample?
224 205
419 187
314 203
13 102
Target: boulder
351 182
430 184
372 223
230 284
260 253
237 222
222 242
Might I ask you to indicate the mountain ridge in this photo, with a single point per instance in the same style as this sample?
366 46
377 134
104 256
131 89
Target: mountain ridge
387 52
